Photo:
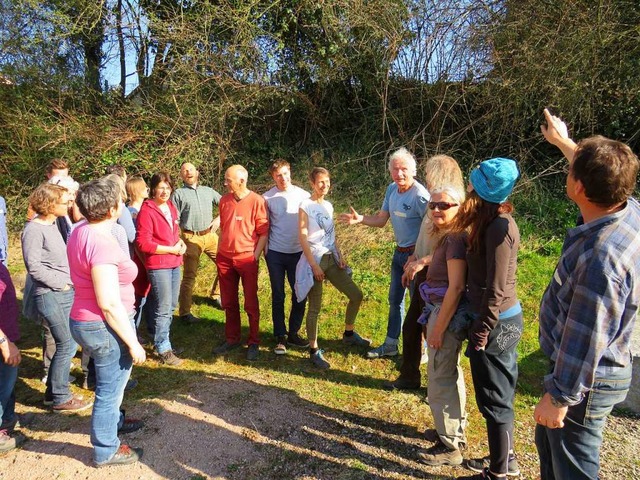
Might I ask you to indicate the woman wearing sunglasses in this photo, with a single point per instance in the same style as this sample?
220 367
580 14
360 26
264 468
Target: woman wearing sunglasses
447 322
496 328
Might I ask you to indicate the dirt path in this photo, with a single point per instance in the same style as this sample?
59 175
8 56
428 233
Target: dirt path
243 429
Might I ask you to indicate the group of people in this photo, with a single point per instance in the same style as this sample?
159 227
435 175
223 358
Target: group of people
456 253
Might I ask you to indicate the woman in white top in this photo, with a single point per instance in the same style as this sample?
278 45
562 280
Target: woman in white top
323 257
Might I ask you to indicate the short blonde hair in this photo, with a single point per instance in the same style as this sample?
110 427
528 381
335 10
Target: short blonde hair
135 187
441 171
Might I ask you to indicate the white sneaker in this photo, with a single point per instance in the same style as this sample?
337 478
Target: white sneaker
384 350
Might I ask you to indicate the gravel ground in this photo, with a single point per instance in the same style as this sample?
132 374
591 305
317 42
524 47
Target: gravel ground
235 428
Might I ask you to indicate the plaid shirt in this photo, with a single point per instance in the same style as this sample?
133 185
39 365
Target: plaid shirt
195 206
588 311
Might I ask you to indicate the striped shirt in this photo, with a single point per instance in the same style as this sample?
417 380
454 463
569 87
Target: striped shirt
588 310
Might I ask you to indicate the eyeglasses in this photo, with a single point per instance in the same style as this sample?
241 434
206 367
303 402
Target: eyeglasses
442 206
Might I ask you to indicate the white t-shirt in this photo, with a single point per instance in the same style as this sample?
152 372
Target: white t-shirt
321 230
283 208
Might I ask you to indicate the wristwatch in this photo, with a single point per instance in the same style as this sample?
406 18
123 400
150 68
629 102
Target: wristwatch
556 403
2 340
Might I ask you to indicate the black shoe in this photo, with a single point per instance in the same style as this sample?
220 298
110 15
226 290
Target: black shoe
225 348
189 318
124 456
252 352
130 425
400 384
479 464
297 341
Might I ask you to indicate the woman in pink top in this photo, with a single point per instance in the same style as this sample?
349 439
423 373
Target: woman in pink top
159 241
102 316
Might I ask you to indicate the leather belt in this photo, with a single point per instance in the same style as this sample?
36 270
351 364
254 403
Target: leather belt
408 249
200 233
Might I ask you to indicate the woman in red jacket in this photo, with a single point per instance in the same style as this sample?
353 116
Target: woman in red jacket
158 238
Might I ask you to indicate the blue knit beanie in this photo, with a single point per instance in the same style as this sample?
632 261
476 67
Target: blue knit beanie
493 179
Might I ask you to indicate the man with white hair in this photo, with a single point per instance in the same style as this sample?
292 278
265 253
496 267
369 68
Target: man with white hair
405 203
244 229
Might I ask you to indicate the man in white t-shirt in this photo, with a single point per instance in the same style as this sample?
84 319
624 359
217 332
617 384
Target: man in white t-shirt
283 253
405 204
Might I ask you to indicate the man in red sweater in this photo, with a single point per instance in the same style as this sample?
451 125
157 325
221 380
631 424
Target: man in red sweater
244 226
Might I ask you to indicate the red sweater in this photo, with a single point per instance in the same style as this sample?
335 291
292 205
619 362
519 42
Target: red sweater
241 223
154 230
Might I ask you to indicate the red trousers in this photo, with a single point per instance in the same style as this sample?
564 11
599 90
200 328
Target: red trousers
230 272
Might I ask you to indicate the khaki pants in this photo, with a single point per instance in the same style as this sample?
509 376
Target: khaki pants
446 391
196 245
343 282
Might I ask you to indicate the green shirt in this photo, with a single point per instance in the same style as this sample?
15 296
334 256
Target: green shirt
195 206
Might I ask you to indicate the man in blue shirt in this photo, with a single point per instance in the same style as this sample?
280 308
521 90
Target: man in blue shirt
588 311
405 204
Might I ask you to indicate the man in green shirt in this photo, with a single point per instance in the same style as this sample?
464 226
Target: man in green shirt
195 208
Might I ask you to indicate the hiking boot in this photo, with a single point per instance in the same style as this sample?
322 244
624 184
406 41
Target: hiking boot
400 384
384 350
479 464
297 341
318 360
356 340
189 319
225 348
124 456
7 442
440 454
281 347
252 352
170 358
76 404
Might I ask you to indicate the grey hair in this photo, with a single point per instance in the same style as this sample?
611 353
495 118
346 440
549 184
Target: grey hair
96 198
455 192
404 154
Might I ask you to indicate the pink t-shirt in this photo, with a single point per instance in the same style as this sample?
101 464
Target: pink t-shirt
87 248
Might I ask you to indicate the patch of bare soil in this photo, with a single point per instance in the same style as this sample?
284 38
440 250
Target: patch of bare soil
235 428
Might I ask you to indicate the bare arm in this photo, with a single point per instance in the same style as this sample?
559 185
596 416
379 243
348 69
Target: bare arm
303 235
107 290
556 133
10 353
457 275
353 218
215 224
260 244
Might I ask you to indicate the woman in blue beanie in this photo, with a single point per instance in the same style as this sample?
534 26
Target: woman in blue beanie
497 316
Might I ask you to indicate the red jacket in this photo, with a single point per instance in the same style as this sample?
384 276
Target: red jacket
154 230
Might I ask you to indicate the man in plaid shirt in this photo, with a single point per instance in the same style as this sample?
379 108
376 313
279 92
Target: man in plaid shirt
588 311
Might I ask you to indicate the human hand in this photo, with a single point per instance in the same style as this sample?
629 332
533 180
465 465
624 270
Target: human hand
548 415
180 247
137 353
318 273
555 131
435 339
410 259
11 353
351 218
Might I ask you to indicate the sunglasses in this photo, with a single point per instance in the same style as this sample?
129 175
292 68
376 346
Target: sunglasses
442 206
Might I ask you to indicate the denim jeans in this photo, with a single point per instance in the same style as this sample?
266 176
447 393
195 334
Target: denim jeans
396 295
113 366
8 378
574 450
161 302
54 307
279 265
